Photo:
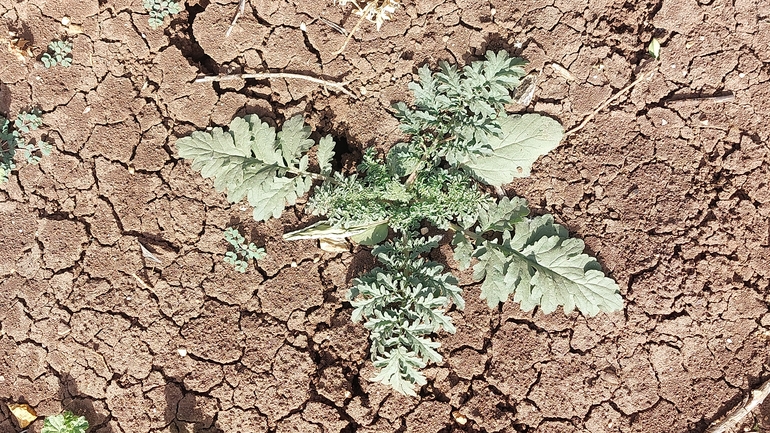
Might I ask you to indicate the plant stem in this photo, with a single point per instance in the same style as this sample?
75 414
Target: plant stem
608 102
364 11
314 176
754 399
241 8
287 75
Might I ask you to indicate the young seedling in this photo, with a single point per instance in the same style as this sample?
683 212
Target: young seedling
243 252
65 422
159 10
12 139
460 143
59 53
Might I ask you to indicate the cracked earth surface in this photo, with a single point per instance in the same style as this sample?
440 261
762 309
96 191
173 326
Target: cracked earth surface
670 192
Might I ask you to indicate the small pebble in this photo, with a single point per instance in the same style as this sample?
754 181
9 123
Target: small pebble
729 341
65 21
303 27
663 122
182 352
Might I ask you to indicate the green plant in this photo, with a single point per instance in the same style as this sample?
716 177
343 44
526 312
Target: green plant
11 140
59 53
459 137
65 422
160 9
243 251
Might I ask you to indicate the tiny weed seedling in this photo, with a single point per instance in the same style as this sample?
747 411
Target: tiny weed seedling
243 252
59 53
65 422
12 139
159 10
460 138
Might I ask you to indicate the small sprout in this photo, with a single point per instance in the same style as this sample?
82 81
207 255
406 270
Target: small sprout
12 139
59 53
243 252
654 48
160 9
65 422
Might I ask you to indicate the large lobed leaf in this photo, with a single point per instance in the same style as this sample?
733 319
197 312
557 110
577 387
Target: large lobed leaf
250 160
541 266
523 139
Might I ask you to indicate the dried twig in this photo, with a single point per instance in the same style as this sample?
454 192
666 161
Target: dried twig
729 97
754 399
241 8
267 75
334 26
364 11
141 282
608 102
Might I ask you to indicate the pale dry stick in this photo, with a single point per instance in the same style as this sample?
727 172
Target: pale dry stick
241 8
608 102
754 399
268 75
364 11
334 26
141 282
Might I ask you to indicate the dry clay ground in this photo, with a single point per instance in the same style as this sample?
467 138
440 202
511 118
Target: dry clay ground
670 193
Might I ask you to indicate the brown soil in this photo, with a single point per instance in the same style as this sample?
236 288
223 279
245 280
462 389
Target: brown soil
671 195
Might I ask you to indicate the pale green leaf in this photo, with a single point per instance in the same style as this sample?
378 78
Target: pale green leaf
325 154
463 250
654 48
247 161
293 139
400 370
541 266
372 236
270 199
523 140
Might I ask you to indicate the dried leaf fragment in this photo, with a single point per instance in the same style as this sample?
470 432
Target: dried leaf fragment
459 417
21 48
561 70
334 245
148 255
23 413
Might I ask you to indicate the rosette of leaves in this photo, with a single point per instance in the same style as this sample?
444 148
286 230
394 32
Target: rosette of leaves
242 252
159 10
460 142
12 139
65 422
59 53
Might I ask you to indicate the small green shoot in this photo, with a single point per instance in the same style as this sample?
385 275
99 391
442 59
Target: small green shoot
65 422
243 252
159 10
59 53
654 48
12 139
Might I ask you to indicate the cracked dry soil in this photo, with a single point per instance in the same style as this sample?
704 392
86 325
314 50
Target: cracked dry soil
671 193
